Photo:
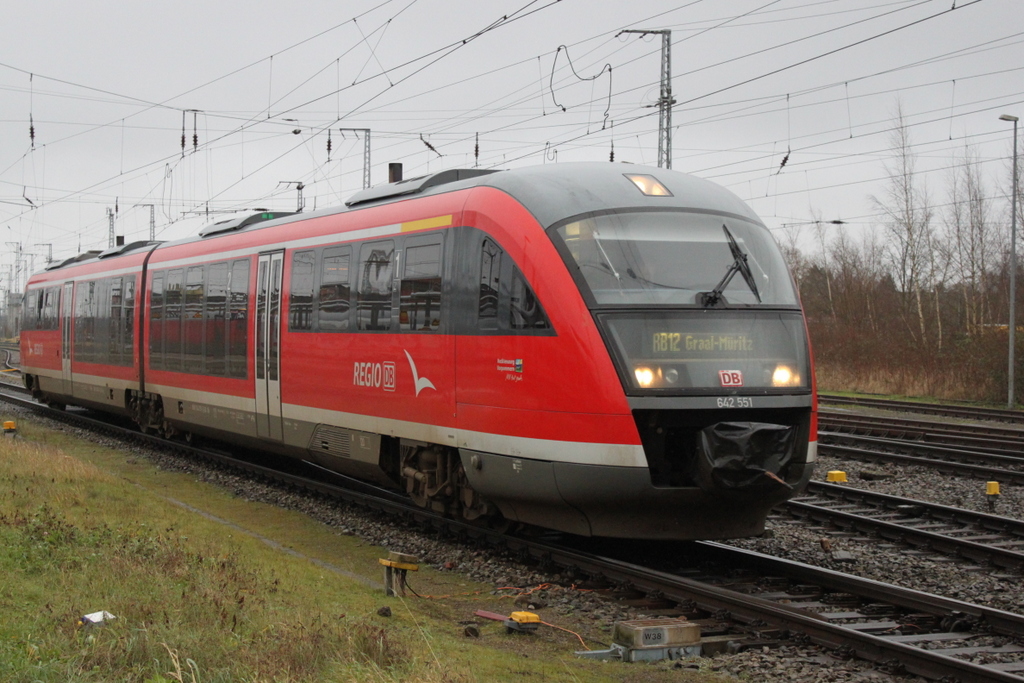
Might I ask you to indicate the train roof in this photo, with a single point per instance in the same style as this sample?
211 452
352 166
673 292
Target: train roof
554 192
551 192
97 254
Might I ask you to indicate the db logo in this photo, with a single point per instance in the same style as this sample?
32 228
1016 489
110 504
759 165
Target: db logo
731 378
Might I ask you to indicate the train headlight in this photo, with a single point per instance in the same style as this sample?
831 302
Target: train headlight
785 376
644 377
648 184
671 375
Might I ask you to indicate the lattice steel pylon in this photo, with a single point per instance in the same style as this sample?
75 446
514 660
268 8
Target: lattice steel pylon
110 219
366 152
665 100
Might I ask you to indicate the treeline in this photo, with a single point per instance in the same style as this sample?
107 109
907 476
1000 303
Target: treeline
919 304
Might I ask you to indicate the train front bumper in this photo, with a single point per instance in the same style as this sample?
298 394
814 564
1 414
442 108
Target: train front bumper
621 502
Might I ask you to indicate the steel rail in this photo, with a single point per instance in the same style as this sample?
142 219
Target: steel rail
892 528
986 428
879 648
713 599
980 438
935 457
1001 415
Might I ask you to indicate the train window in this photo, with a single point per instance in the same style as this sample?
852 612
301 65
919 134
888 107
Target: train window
38 311
238 328
214 315
85 322
490 273
656 258
34 303
274 323
526 312
300 302
30 315
80 307
172 320
51 307
58 296
335 290
47 315
156 323
192 342
128 336
420 293
376 278
100 308
261 320
114 322
91 326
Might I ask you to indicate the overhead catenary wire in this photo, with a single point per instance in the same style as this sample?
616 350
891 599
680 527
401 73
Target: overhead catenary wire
556 139
606 67
519 14
31 106
793 65
887 32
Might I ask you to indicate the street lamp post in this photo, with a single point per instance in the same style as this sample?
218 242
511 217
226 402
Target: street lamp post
1013 263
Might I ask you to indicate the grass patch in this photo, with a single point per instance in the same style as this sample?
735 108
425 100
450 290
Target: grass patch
84 528
183 605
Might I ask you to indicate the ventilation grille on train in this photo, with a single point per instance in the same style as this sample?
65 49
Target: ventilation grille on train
328 439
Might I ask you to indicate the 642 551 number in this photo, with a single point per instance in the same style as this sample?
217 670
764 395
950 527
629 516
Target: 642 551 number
735 402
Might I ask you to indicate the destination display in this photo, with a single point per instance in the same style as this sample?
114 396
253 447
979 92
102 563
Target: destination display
674 343
699 351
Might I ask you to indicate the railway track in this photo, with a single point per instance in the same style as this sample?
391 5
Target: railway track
982 438
976 536
1001 467
945 410
748 598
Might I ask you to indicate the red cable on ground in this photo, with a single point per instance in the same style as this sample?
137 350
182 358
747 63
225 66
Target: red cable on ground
568 631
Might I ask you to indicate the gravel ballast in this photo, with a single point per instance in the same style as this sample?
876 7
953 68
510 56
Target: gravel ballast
791 663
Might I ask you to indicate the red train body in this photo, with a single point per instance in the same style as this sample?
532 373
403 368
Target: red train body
545 345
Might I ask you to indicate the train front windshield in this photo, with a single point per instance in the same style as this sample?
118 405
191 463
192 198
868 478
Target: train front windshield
671 258
692 303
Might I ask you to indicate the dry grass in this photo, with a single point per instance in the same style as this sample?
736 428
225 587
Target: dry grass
955 384
198 602
187 611
880 362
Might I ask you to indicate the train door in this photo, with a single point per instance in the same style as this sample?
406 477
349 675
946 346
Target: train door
66 303
268 345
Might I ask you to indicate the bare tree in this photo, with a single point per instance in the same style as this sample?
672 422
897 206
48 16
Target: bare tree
908 217
788 243
970 240
819 233
873 254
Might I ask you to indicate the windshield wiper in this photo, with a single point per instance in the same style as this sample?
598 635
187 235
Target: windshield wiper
608 261
739 265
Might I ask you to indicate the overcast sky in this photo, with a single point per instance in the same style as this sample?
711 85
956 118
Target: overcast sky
261 85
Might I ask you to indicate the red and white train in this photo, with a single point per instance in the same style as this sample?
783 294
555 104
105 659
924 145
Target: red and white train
601 349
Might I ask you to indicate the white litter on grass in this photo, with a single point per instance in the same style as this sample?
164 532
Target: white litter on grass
96 618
